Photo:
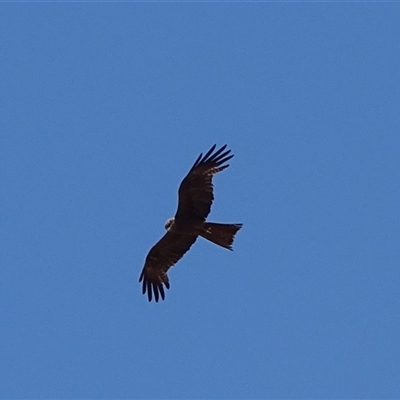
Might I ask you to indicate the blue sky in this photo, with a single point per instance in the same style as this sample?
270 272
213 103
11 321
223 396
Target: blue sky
105 107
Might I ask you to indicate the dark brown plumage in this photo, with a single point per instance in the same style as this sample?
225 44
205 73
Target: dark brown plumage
194 205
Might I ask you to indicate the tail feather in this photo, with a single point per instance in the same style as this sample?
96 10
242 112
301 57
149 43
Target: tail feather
220 234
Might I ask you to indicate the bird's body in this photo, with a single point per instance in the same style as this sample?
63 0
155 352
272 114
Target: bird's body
194 205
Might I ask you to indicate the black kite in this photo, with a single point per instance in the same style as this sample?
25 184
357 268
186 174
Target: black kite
194 205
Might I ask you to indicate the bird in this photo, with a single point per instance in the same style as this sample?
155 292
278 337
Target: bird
195 197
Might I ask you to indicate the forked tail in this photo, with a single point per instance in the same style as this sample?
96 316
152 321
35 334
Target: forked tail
221 234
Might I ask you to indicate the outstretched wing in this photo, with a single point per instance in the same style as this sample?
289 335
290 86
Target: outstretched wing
162 256
196 190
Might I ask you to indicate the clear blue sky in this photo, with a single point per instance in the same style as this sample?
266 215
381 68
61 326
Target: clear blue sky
104 107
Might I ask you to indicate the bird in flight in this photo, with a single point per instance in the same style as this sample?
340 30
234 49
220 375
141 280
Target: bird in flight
194 204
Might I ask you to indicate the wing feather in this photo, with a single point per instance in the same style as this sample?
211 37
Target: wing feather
162 256
196 190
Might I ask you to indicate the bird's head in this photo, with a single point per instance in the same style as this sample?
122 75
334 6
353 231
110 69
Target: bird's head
169 223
